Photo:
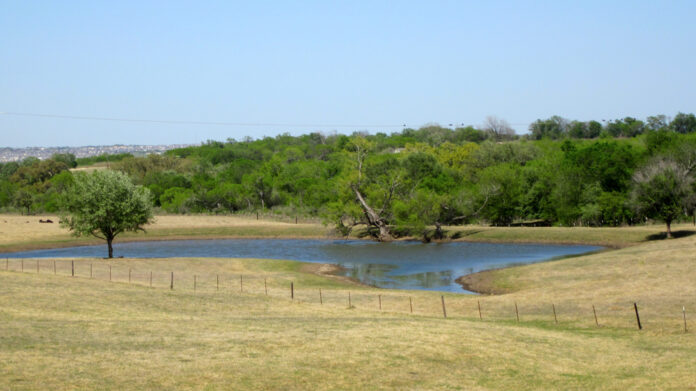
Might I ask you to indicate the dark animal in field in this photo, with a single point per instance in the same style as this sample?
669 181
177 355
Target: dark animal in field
46 221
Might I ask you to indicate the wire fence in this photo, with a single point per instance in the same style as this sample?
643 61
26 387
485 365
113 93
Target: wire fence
620 314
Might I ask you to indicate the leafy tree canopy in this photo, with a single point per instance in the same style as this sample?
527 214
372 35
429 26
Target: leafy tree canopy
104 204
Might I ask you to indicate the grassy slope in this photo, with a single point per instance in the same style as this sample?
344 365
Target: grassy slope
59 332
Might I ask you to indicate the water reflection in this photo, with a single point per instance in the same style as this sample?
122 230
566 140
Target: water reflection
403 265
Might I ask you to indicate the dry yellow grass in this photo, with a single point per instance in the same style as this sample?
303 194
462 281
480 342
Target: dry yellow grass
25 232
59 332
658 276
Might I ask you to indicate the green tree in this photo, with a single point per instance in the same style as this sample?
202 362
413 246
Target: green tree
683 123
24 200
104 204
67 158
662 190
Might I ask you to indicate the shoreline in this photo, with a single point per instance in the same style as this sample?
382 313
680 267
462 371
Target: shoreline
477 283
80 242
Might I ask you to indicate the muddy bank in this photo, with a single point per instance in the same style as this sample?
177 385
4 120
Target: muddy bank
481 282
330 271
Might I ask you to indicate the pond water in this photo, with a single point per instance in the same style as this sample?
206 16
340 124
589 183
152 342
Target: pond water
399 265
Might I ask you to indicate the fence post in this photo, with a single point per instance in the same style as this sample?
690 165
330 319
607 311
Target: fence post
321 299
37 266
350 304
635 306
150 278
479 308
171 282
517 313
444 310
129 275
684 314
265 286
217 282
194 283
90 270
54 267
292 290
555 319
380 302
410 303
72 263
595 316
22 265
7 264
241 284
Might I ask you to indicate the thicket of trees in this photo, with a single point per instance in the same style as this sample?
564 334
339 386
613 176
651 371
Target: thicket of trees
563 172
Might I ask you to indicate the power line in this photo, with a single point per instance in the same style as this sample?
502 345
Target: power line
176 122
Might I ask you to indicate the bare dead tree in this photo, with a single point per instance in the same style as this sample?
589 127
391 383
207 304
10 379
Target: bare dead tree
498 129
372 218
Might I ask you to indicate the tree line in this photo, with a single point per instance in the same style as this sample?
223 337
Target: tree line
415 181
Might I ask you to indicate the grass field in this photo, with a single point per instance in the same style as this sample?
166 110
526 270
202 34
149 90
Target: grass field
60 332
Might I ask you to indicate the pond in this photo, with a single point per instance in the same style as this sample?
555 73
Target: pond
397 265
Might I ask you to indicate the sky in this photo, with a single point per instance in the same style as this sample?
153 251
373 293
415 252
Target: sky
226 69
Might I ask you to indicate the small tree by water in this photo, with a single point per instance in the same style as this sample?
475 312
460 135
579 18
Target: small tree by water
104 204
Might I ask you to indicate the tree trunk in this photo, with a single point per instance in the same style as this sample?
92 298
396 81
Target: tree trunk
439 235
669 229
374 219
109 242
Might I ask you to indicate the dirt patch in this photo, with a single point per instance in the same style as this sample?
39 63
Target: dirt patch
329 271
481 282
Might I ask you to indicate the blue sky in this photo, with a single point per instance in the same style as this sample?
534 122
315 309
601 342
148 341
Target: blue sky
309 66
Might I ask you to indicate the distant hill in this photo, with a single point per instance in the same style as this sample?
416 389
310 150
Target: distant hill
16 154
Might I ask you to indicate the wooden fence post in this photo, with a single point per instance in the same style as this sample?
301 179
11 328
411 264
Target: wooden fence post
150 278
90 270
350 304
72 263
595 315
7 264
321 299
217 282
555 319
194 283
171 282
444 310
517 313
684 314
265 286
54 267
410 303
292 290
241 284
22 265
37 266
129 275
380 302
479 308
635 306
